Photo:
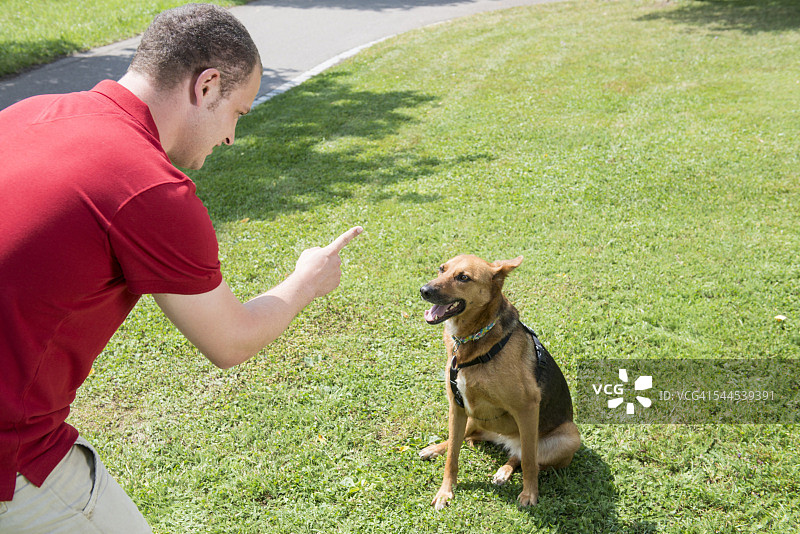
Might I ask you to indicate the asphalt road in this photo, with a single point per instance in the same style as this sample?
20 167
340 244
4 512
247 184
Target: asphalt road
297 39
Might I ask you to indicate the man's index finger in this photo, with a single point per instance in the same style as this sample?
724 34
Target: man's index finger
340 242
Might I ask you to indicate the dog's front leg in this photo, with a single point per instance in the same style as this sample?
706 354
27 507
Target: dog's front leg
457 423
528 424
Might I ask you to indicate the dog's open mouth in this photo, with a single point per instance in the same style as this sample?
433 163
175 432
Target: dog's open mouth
442 312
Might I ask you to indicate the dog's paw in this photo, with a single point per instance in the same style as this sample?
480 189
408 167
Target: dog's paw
503 475
442 499
431 452
527 499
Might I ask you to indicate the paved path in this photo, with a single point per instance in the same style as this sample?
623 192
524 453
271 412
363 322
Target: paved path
296 38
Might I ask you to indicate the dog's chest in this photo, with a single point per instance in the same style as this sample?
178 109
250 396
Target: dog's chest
461 384
477 403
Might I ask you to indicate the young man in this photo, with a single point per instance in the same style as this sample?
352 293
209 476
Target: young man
94 214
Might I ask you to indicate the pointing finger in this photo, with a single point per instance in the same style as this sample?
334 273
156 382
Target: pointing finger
340 242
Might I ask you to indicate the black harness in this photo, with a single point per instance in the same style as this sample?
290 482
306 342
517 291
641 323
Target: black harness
494 351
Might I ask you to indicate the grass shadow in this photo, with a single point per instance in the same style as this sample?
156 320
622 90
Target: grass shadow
579 498
18 55
322 142
372 5
748 16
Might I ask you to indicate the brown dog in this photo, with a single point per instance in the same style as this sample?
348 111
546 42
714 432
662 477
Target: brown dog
502 384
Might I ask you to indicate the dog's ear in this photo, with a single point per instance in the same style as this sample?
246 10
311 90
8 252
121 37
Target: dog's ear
503 267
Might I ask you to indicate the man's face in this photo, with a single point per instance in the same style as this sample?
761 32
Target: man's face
213 123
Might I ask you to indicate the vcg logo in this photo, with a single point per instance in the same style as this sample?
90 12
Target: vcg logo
618 391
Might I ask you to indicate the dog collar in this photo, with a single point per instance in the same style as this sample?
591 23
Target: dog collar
474 337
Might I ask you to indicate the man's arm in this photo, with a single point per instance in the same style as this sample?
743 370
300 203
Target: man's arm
229 332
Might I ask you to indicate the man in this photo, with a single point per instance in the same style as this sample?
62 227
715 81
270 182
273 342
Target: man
93 214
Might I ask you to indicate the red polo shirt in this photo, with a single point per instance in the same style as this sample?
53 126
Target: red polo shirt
92 215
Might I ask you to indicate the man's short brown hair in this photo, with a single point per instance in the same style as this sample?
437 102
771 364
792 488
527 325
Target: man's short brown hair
186 40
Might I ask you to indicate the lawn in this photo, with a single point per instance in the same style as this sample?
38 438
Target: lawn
641 155
39 31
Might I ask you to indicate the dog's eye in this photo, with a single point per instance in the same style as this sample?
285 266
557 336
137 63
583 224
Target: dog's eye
441 268
463 278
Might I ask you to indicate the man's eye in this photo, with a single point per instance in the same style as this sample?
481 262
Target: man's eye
463 278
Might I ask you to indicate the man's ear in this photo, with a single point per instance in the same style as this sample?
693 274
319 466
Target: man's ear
206 88
503 267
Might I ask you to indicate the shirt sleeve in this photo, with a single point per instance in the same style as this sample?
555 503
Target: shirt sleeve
164 242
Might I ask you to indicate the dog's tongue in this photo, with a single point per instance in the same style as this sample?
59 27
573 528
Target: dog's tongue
435 312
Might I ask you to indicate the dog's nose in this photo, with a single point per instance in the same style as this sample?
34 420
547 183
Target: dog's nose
425 291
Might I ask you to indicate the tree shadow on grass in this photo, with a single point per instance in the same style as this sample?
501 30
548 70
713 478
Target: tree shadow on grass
318 143
373 5
581 497
31 53
749 16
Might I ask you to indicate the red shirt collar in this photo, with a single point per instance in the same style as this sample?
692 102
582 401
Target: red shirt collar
128 102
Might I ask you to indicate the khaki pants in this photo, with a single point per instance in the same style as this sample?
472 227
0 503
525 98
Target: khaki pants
78 497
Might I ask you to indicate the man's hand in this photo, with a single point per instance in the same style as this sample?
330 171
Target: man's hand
228 332
320 267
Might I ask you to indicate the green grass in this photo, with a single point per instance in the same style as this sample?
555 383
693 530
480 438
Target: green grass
39 31
642 156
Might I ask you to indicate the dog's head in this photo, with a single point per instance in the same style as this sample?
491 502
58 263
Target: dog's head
465 284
